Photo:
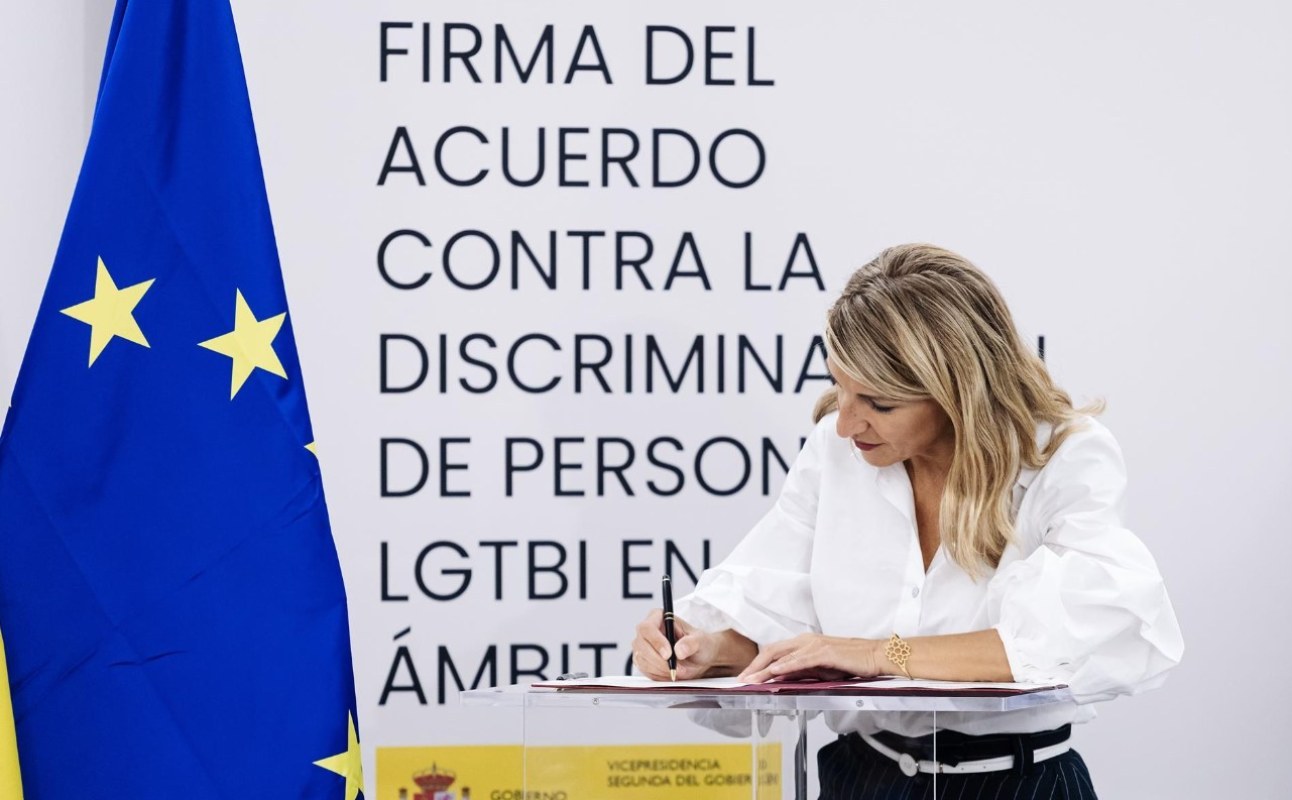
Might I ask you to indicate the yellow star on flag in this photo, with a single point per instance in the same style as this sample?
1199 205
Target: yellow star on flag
348 764
313 448
250 344
111 312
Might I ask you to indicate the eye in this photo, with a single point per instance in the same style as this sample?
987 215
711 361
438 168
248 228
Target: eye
879 408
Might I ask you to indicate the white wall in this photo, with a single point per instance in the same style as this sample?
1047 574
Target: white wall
1121 169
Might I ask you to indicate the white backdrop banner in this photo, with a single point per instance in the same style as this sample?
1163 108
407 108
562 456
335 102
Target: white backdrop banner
591 256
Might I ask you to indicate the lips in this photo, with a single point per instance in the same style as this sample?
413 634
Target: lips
864 446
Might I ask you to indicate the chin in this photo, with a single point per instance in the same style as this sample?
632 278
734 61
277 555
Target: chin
878 457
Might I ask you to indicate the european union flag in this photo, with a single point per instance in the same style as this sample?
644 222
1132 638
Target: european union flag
170 595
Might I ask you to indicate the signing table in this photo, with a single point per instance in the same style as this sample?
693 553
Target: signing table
771 724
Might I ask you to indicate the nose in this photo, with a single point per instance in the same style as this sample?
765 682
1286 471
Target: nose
852 422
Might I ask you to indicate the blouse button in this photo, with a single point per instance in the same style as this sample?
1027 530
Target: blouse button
915 592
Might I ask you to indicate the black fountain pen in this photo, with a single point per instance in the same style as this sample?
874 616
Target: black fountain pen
668 628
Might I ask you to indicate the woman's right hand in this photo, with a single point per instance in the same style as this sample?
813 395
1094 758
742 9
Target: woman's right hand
700 654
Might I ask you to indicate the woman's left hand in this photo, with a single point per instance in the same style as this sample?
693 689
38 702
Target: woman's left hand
813 655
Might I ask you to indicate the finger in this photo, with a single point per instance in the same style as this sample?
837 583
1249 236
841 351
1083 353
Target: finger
681 631
757 667
659 644
753 667
641 646
806 655
681 627
650 631
757 676
653 621
690 672
776 660
775 670
662 646
648 664
687 646
799 675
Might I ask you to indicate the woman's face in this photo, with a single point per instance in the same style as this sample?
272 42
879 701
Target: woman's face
889 431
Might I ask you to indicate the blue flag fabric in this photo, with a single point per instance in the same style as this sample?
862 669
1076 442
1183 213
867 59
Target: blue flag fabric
170 595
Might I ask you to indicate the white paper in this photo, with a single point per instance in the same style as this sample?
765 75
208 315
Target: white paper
641 682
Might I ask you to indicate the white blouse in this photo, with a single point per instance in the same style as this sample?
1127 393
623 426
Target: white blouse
1076 599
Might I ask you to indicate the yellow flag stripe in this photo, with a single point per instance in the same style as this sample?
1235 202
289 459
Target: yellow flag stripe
10 779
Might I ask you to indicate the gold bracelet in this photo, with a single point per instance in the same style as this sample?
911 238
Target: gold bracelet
898 651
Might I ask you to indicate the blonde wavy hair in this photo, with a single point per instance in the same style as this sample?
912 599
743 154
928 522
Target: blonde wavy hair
920 322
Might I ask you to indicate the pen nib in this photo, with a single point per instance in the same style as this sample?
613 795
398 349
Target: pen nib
672 675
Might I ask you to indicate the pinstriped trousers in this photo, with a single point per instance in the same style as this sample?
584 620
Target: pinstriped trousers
849 769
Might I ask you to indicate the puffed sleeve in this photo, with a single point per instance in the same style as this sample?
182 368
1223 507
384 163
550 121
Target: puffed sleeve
1087 606
762 590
